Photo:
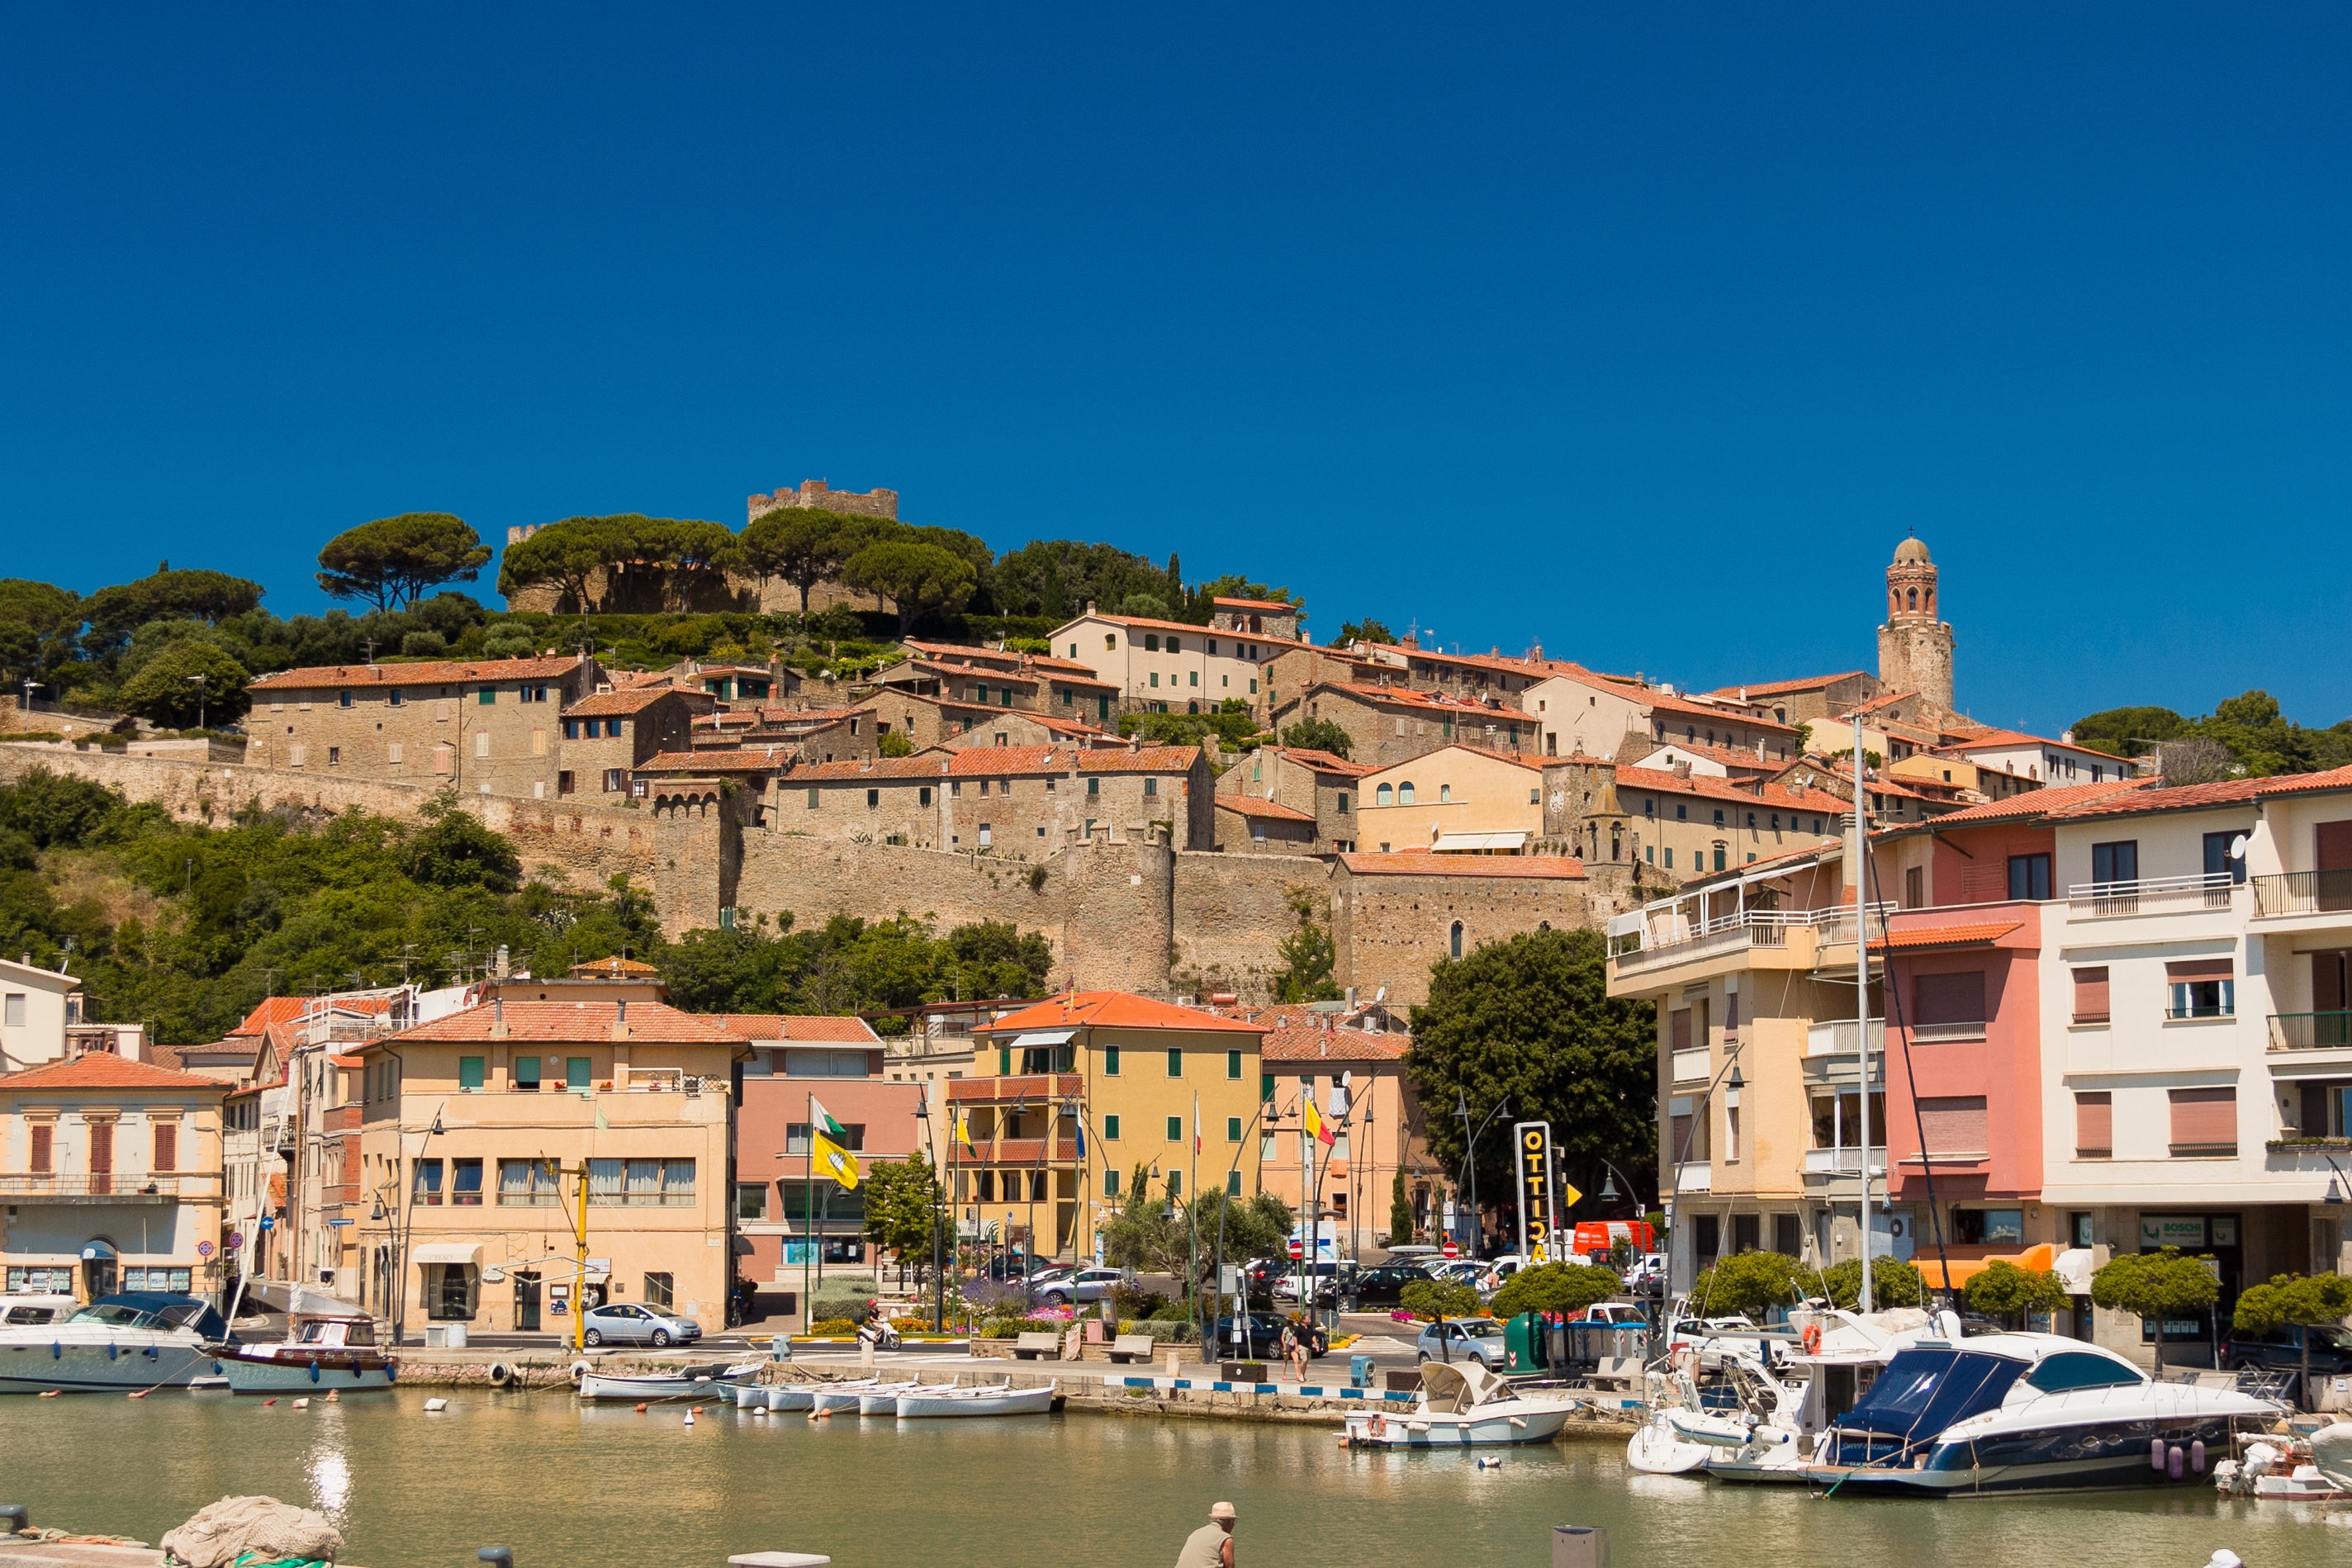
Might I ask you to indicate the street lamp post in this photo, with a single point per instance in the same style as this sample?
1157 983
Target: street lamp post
1470 1160
199 680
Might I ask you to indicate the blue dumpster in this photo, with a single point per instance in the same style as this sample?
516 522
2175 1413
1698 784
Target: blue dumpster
1359 1371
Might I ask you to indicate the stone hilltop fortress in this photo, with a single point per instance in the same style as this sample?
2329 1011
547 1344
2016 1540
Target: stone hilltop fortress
1486 795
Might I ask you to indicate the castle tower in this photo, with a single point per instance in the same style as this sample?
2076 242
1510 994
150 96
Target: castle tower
1915 649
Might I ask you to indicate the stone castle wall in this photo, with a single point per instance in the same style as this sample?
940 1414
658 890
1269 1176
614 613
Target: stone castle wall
1231 912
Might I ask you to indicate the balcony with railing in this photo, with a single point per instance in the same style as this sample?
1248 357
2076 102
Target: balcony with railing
1029 1088
115 1187
1844 1162
2303 892
2150 895
1029 1152
1694 1176
2310 1031
1836 1036
1662 935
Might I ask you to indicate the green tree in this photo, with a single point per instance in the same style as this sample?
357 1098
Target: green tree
1892 1283
2007 1293
2311 1301
54 810
453 849
1316 735
803 545
1750 1283
1554 1287
895 744
167 690
564 555
1529 1019
1430 1300
40 632
1401 1230
1146 1234
2155 1287
1307 958
1143 607
2127 731
168 595
1366 630
901 1206
917 579
394 560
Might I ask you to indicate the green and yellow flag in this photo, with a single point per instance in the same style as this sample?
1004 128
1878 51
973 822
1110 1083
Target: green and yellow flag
829 1145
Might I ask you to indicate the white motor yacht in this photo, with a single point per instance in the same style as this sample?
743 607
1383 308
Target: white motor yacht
2027 1412
119 1343
1463 1405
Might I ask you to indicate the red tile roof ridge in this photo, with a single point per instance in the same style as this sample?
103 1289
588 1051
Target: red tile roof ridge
1528 760
2036 802
633 699
1412 697
1423 862
1282 604
655 1023
828 1027
2156 798
1312 1042
1112 1009
1773 688
434 672
104 1070
1250 806
1321 761
1755 793
1972 931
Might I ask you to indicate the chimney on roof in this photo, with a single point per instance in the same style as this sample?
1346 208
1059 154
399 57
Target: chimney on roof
1410 640
498 1018
2066 737
1682 766
502 970
1090 607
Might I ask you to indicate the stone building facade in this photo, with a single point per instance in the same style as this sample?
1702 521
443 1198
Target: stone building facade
1016 802
1317 783
607 736
1390 724
1915 647
1395 916
491 727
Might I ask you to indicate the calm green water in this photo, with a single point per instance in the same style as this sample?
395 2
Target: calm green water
565 1484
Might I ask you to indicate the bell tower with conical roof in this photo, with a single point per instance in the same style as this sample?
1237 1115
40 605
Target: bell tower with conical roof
1914 648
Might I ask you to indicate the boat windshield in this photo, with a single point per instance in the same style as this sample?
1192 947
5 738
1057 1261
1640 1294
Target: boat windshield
115 1317
1925 1390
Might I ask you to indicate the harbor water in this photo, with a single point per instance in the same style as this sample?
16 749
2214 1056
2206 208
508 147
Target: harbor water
583 1487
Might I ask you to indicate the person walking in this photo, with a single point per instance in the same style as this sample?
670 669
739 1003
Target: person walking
1294 1350
1211 1545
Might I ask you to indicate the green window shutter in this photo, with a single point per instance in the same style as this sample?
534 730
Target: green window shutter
1175 1129
1232 1184
1233 1129
487 697
575 1072
1004 1061
1233 1065
1110 1131
1175 1062
1265 1085
470 1072
1110 1182
526 1071
1111 1061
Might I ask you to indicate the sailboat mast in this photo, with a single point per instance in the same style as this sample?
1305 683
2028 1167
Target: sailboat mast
1862 999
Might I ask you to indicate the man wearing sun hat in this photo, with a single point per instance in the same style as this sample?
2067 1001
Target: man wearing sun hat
1211 1545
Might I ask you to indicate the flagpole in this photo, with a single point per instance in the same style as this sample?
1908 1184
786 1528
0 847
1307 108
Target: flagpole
808 1213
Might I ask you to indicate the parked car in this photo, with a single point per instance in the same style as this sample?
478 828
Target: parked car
1613 1313
1383 1285
1007 1267
1462 1339
1080 1285
1466 1271
625 1322
1262 1337
1320 1276
2281 1350
1647 1277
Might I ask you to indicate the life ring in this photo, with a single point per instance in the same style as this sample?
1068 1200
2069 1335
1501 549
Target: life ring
1813 1337
501 1375
1377 1427
579 1371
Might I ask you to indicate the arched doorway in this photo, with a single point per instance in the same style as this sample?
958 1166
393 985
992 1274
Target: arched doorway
102 1266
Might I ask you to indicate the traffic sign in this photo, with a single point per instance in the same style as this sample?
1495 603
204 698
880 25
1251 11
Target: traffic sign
1453 1250
1297 1249
204 1248
235 1239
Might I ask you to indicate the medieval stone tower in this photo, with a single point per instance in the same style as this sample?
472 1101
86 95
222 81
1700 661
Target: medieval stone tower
1915 649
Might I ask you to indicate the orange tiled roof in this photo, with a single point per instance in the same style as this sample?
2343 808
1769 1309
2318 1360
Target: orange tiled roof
815 1028
2156 798
1321 761
1729 756
1113 1009
434 672
1777 688
1250 806
293 1009
1972 933
615 969
1283 605
650 1024
1528 760
617 704
1426 702
1539 867
1187 628
1311 1043
104 1070
1765 793
1145 759
2296 783
721 759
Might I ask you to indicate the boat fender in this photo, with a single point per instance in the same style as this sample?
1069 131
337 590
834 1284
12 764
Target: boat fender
56 1351
2196 1456
2172 1462
150 1353
314 1371
112 1350
2155 1453
501 1375
1812 1339
579 1371
391 1370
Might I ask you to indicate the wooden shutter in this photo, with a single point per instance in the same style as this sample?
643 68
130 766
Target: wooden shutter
2334 846
1679 1027
2091 995
167 1146
2094 1124
2204 1120
1956 1127
2329 990
101 1156
44 1146
2198 970
1950 998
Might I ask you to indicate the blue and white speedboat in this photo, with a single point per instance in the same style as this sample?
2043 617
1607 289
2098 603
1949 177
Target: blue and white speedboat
2025 1412
117 1344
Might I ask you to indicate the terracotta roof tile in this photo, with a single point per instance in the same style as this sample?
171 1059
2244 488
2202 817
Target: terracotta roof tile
815 1028
2036 802
1320 761
1284 606
1423 702
436 673
1531 867
104 1070
1765 793
635 699
1973 934
1250 806
721 759
1113 1009
1146 759
1527 759
2156 798
615 969
2298 783
650 1024
294 1010
1777 688
1311 1043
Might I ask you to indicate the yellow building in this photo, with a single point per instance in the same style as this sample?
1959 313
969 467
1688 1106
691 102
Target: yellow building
1454 799
461 1119
1144 1079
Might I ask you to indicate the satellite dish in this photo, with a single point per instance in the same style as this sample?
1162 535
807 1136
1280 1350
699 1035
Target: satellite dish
2238 848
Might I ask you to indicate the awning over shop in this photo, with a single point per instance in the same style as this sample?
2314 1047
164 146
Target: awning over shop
2035 1259
1041 1036
468 1253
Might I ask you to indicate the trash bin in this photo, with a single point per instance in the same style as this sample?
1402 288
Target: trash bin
1359 1371
454 1336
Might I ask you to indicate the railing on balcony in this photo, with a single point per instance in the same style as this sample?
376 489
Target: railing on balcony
118 1185
1660 933
2150 895
1029 1152
1695 1177
2310 1031
1929 1033
1844 1162
2303 893
1691 1066
1835 1038
1034 1088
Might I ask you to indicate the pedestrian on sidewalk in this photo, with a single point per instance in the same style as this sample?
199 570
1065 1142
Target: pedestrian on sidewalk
1211 1545
1294 1350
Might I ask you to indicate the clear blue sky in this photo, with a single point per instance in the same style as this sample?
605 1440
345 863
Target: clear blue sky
1644 334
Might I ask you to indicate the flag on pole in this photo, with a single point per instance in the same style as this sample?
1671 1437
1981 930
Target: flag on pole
834 1161
963 1128
1196 1124
1317 1128
822 1121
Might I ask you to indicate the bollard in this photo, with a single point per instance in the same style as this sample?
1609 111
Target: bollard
502 1555
865 1353
17 1517
1174 1364
1579 1546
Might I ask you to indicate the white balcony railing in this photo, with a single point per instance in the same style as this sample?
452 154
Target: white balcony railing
1676 931
1835 1038
1694 1176
2150 895
1843 1162
1690 1066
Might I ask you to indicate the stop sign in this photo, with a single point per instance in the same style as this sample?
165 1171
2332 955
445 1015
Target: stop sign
1452 1251
1297 1250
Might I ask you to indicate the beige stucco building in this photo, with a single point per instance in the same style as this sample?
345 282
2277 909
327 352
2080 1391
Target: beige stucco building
1456 800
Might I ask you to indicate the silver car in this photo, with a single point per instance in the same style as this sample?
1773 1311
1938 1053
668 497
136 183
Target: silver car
624 1322
1462 1339
1082 1285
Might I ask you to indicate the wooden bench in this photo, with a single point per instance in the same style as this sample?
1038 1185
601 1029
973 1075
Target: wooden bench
1030 1346
1129 1347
